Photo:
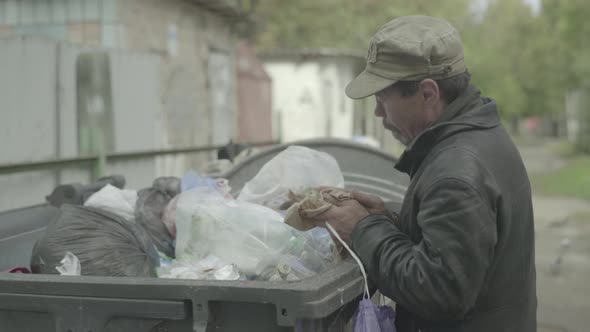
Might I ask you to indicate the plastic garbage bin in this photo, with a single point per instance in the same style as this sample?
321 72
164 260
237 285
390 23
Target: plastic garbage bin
91 304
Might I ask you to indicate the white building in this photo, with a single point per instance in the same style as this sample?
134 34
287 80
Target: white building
308 92
309 100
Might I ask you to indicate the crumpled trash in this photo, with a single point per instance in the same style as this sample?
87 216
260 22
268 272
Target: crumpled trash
295 169
310 204
289 268
209 268
70 265
228 272
118 201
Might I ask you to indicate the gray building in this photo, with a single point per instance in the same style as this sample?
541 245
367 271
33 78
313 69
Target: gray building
159 74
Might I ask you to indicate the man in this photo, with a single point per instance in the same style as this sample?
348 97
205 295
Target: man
460 255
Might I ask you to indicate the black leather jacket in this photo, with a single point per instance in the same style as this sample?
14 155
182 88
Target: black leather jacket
461 256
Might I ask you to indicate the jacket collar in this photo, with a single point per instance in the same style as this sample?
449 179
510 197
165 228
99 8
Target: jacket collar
470 111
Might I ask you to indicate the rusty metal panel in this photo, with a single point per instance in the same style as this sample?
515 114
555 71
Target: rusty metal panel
254 98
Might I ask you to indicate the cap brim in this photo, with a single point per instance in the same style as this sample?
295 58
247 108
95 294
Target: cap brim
366 84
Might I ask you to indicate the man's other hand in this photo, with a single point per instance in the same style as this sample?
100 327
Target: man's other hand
374 204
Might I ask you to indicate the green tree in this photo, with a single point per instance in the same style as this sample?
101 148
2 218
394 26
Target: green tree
526 62
568 26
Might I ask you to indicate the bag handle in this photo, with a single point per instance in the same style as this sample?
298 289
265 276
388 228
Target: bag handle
358 261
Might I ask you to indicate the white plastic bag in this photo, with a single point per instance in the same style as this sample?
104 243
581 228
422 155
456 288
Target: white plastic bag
70 265
248 235
296 169
112 199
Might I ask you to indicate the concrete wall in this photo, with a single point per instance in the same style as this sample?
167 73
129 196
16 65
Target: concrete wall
28 126
186 99
40 120
192 41
186 36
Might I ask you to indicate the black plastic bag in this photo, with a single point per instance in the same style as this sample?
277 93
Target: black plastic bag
77 194
105 244
168 184
149 211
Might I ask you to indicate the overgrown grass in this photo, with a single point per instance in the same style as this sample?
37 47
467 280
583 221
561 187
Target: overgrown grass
573 180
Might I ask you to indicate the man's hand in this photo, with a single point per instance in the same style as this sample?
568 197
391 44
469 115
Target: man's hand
372 203
343 216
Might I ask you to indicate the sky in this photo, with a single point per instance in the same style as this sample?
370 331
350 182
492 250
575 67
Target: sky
479 6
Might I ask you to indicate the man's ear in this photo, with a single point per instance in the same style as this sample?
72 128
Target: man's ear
430 91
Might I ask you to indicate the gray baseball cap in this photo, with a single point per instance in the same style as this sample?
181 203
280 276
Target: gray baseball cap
409 48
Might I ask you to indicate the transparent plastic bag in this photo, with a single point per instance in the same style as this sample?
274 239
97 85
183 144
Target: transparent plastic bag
250 236
296 169
192 180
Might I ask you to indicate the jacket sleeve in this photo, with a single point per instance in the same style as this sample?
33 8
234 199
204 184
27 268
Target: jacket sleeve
440 277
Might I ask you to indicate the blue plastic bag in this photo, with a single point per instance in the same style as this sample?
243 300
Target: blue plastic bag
192 180
369 317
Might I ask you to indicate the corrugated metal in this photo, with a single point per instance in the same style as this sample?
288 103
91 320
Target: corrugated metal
39 121
254 97
27 92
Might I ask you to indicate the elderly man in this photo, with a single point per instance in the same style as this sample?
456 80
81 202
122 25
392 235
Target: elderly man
460 254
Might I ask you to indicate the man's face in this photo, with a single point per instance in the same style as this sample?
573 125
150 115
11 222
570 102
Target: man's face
405 116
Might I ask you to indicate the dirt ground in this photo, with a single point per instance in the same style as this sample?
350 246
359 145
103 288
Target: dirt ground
562 229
